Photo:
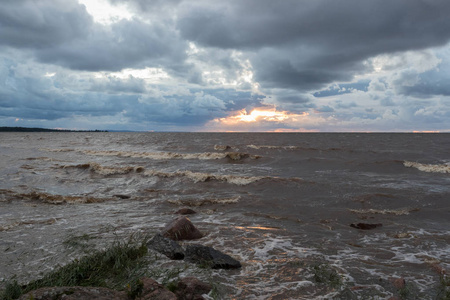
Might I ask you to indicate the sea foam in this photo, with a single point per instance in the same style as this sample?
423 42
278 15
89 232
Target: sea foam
430 168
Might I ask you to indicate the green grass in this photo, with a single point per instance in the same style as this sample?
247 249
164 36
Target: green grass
325 274
115 267
12 291
119 266
444 288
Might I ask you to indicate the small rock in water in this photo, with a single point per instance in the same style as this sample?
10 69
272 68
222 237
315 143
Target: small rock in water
206 255
190 288
122 196
365 226
185 211
399 283
181 229
166 246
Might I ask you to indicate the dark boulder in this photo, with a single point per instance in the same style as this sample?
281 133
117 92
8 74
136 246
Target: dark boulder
185 211
152 290
190 288
181 229
166 246
365 226
200 254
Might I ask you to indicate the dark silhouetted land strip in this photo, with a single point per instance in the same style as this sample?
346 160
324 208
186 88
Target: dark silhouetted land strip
27 129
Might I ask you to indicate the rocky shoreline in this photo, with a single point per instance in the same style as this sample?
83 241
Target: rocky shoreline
164 242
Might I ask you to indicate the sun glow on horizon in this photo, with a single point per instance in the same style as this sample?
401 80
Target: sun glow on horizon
240 120
260 115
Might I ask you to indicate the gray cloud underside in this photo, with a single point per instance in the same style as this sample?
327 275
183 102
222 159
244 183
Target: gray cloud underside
68 95
306 44
63 33
297 44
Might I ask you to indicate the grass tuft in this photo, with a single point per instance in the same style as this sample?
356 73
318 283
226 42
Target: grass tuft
115 267
325 274
444 288
12 291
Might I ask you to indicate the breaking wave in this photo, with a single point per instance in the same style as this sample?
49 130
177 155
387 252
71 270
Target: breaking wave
29 222
57 150
397 212
103 170
221 147
272 147
173 155
201 202
430 168
203 177
194 176
58 199
167 155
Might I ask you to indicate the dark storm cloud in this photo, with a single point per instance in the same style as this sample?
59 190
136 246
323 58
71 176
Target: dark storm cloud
126 44
63 33
383 24
42 24
306 44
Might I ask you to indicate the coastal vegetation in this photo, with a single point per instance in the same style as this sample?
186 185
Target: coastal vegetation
119 266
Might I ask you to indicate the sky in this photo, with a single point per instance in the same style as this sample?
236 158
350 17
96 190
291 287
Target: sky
235 65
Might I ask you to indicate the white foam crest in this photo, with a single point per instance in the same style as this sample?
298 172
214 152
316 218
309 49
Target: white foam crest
203 177
60 199
221 147
57 150
272 147
172 155
102 170
397 212
27 222
105 170
429 168
197 203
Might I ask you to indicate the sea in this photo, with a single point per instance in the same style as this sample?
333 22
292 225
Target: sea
308 215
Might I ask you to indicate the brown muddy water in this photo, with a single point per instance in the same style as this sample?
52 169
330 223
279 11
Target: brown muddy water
282 204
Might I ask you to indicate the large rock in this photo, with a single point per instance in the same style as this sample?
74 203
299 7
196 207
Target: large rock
181 229
190 288
166 246
74 293
200 254
152 290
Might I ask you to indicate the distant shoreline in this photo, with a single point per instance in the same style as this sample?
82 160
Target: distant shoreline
36 129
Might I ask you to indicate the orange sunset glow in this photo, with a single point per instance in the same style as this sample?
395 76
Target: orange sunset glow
260 114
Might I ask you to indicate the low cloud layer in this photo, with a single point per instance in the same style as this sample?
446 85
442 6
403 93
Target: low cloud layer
182 65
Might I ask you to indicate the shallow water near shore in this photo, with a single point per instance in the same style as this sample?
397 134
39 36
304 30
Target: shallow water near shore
282 204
